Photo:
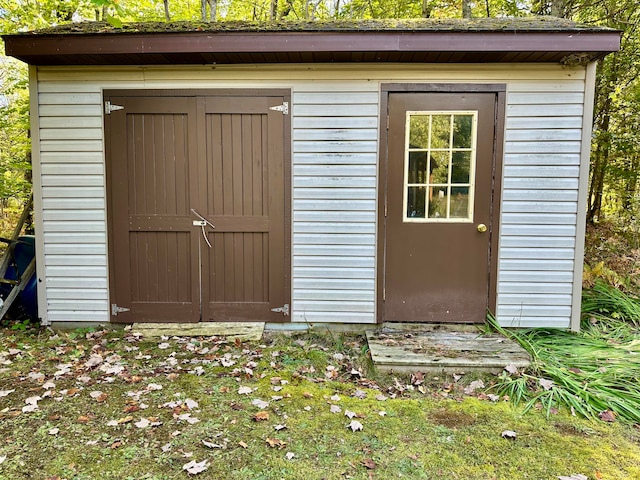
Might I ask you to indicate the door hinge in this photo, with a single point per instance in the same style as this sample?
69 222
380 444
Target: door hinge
384 294
387 122
284 310
109 107
284 108
115 309
385 208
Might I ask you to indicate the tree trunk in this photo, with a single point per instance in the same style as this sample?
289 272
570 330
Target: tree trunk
427 8
274 10
558 8
629 194
213 6
167 16
213 10
600 164
288 8
597 184
466 8
608 78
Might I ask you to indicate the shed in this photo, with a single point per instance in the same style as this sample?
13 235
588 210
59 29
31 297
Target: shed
312 173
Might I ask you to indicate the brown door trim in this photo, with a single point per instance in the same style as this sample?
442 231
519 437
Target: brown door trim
498 144
200 92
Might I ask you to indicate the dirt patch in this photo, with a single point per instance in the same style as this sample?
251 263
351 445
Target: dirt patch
451 419
568 429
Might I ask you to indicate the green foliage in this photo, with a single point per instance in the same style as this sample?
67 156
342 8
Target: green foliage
606 301
615 185
591 372
15 148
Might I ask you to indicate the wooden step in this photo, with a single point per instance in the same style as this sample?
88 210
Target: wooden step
231 330
448 350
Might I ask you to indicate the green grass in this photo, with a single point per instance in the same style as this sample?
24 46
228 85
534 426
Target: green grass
611 305
432 435
594 371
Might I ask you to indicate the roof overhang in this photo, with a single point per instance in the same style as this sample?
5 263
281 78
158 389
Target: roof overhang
421 42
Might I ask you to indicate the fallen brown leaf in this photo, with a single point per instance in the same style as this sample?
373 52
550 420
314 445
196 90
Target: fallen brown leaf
417 378
276 442
261 416
369 463
607 416
243 445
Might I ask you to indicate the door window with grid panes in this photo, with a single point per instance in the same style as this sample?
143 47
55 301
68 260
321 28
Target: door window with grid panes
439 166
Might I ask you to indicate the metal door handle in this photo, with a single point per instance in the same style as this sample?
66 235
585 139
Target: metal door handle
203 222
482 228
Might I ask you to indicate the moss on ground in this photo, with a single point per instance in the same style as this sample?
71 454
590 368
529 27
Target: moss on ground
309 386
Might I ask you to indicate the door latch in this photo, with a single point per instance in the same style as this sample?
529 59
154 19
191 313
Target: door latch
284 310
203 222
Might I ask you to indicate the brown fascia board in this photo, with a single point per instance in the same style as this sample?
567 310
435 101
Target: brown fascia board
26 47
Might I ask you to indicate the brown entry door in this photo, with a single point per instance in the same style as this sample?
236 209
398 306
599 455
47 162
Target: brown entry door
438 225
175 163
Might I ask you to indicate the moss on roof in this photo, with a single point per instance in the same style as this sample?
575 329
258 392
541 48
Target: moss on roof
512 24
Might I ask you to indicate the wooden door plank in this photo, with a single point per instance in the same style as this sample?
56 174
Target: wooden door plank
256 167
247 274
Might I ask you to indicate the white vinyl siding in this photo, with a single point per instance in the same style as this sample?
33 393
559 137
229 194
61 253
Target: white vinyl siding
335 118
335 140
539 203
73 203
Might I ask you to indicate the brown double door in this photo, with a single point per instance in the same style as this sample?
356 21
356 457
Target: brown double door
197 205
439 183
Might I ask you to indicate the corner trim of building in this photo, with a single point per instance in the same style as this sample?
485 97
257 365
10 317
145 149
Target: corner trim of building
38 222
583 188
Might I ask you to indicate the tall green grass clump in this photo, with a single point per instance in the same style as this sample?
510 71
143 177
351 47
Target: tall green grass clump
592 373
605 302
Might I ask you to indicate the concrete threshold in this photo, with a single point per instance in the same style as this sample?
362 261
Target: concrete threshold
442 349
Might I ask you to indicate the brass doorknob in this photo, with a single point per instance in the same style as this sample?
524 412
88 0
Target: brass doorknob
482 228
